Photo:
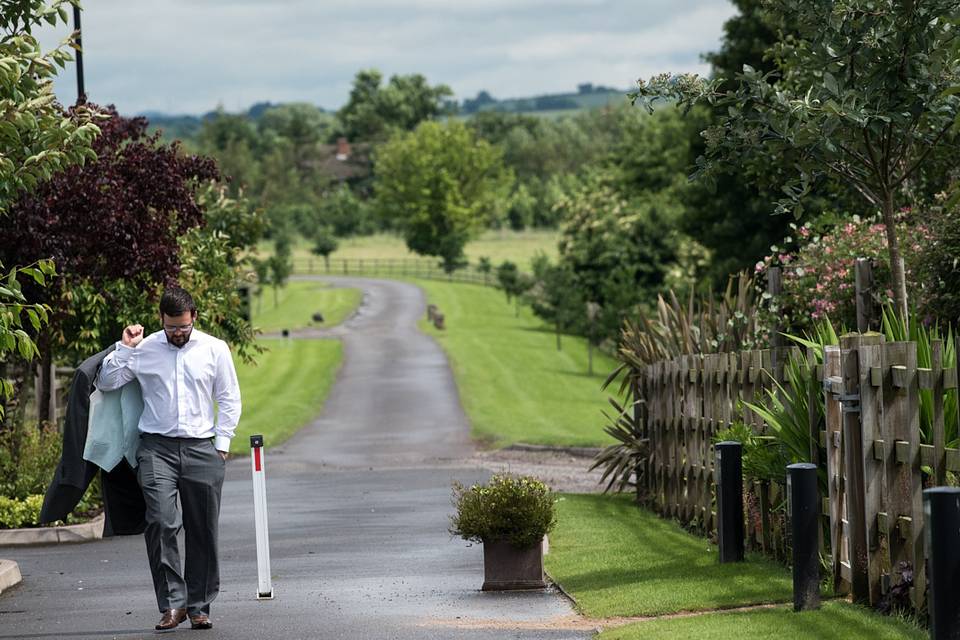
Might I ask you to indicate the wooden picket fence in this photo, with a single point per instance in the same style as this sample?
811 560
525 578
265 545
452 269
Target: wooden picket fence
870 448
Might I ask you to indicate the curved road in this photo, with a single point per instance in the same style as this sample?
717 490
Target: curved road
359 504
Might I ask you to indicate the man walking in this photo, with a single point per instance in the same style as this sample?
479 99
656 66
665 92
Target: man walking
183 449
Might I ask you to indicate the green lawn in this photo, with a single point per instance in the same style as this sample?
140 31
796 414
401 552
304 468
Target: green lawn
514 384
285 390
834 620
498 245
298 301
618 560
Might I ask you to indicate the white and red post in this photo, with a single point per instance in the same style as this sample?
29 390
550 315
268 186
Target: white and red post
264 584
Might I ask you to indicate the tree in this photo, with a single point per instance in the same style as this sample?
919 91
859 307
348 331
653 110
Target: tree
373 111
325 243
440 187
281 262
619 251
37 138
513 282
859 95
112 226
485 266
555 297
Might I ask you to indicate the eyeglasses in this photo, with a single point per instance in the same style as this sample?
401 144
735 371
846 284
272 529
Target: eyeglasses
183 328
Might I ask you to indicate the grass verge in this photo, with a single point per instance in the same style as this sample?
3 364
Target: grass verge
618 560
285 389
834 620
298 301
514 384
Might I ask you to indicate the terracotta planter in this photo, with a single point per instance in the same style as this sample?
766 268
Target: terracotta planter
506 568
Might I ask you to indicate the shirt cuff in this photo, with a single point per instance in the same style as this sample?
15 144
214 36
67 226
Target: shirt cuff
221 443
123 353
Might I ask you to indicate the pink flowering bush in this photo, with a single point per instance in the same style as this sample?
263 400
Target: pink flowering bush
818 270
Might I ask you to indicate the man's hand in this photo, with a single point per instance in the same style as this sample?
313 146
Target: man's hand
132 335
223 455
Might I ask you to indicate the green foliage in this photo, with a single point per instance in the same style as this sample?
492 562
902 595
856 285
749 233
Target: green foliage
28 458
440 186
36 137
622 461
348 214
764 457
515 509
862 96
374 112
704 325
281 262
937 267
895 329
785 411
324 243
20 319
619 251
555 297
16 513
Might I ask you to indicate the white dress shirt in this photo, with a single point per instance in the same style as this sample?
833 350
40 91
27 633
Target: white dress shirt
179 385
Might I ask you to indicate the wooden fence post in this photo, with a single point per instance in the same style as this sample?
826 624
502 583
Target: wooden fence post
862 473
834 424
939 437
863 283
901 452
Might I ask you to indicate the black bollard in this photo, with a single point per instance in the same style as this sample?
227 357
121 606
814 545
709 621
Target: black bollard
730 501
804 499
941 506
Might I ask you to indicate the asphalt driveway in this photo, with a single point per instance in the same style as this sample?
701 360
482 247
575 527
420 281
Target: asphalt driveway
359 503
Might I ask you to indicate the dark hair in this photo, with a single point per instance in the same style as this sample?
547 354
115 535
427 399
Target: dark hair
176 301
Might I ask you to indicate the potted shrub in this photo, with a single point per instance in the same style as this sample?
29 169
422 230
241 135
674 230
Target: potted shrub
510 515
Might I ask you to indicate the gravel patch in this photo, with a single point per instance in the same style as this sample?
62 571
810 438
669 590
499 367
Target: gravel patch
564 470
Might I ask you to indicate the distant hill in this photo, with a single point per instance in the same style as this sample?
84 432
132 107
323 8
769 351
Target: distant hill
587 96
181 127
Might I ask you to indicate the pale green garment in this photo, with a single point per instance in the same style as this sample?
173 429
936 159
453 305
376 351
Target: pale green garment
112 432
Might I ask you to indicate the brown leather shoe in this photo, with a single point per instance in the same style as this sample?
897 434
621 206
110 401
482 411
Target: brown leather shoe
200 621
171 618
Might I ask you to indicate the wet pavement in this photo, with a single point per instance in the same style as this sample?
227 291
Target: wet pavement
359 505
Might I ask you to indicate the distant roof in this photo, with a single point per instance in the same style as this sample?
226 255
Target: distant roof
357 165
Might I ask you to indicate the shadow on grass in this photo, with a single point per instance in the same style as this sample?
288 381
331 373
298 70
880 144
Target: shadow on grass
834 620
616 559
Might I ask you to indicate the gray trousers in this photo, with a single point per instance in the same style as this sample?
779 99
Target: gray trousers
194 469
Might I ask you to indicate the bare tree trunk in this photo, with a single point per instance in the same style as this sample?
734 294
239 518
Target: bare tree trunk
559 346
897 269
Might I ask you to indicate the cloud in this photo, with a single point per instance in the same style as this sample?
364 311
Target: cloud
186 56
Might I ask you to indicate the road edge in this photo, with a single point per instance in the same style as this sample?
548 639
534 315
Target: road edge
9 574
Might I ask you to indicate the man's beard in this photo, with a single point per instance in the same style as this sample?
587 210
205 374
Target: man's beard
178 339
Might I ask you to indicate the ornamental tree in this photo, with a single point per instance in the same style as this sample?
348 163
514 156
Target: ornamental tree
440 186
36 139
112 227
860 93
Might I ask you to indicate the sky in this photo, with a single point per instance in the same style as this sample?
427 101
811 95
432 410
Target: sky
190 56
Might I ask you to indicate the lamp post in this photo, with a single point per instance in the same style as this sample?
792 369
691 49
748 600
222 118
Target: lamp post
81 94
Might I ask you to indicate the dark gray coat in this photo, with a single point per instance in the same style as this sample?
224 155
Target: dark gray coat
123 500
